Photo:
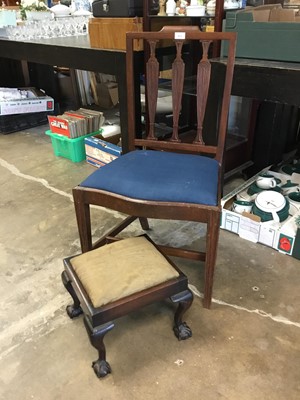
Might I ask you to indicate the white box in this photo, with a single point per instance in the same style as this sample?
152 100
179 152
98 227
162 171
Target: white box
100 152
280 236
36 101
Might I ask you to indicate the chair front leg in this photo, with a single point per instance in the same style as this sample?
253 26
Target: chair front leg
83 217
213 230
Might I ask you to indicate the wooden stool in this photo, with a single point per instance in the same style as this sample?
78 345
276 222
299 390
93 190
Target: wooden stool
113 280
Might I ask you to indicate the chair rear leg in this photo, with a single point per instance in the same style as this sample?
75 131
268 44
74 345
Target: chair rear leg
144 223
213 230
96 335
181 329
73 310
110 235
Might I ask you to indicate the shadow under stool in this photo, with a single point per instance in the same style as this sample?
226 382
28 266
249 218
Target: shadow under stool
120 277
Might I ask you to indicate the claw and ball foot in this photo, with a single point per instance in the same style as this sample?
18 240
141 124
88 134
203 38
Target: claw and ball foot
182 331
73 311
101 368
96 335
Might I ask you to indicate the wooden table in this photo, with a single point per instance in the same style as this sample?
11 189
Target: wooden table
72 52
275 85
274 81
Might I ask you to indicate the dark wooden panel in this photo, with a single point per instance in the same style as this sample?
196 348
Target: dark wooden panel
11 73
273 81
73 52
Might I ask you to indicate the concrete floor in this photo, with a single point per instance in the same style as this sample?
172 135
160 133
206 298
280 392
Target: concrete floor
246 347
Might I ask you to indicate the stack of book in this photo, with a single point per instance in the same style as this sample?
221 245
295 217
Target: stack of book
74 124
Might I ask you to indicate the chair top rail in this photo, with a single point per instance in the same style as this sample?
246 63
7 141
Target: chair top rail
190 33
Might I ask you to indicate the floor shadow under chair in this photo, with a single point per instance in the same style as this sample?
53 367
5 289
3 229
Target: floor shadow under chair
118 278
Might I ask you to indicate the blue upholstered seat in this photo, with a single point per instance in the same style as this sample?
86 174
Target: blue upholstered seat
159 176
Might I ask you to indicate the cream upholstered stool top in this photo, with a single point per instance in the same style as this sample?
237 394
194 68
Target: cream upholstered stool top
120 277
120 269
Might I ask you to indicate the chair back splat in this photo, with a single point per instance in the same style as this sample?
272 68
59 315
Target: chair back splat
182 37
173 166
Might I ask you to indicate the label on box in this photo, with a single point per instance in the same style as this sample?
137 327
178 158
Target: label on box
285 243
231 222
249 229
26 106
267 235
59 126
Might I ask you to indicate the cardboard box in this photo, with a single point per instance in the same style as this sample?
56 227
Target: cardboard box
266 32
110 33
36 102
107 94
280 236
100 152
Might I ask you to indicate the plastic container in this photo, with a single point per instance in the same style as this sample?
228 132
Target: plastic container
73 149
19 122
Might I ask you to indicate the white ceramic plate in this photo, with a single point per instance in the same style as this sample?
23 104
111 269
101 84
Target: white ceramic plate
270 201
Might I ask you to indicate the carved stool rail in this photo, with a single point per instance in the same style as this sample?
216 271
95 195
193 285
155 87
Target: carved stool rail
120 277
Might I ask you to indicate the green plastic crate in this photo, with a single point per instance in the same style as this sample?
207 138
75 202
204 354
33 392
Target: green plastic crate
73 149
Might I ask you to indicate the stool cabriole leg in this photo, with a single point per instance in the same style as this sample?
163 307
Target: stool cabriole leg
96 335
181 329
73 310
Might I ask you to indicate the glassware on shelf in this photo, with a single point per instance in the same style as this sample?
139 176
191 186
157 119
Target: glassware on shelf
47 29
